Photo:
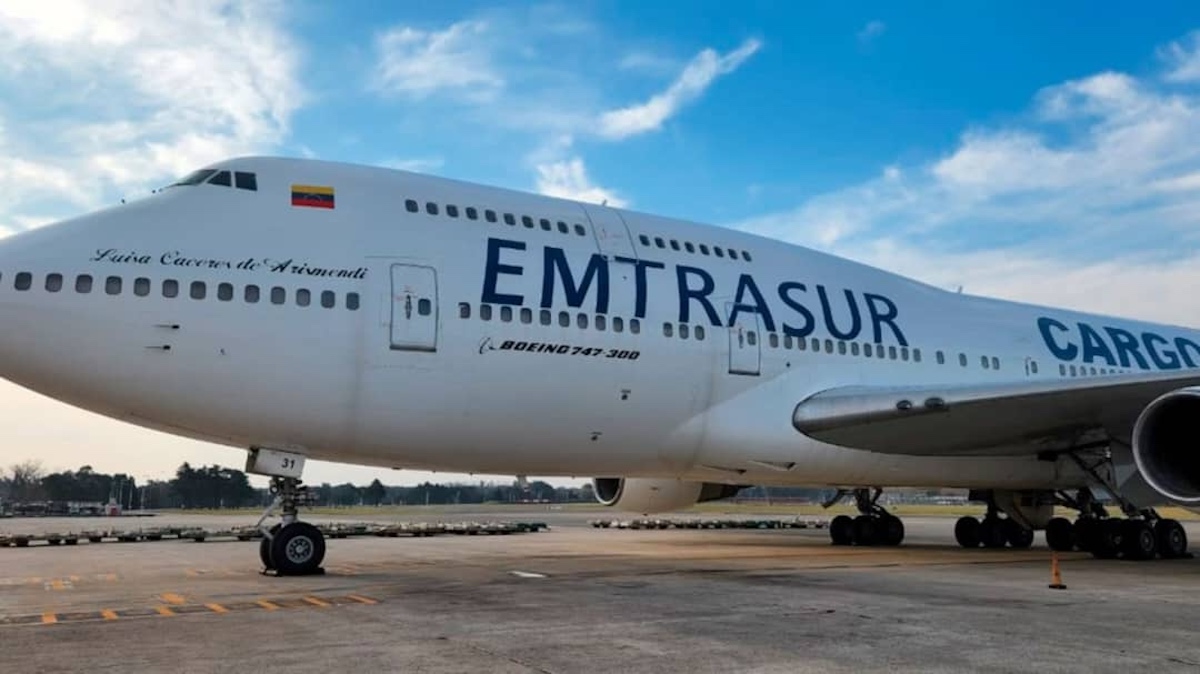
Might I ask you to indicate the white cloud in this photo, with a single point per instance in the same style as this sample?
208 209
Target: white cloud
872 30
1100 185
107 98
696 77
568 179
420 63
1183 58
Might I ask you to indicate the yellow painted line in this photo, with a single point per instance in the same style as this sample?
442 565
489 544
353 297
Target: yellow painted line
108 614
316 602
111 577
164 610
74 579
216 608
58 584
49 618
267 605
361 599
172 598
192 573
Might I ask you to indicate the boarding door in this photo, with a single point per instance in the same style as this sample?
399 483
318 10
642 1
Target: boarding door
612 236
745 342
414 320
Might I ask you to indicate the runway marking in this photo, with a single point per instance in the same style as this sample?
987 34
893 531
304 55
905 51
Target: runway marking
363 600
108 614
317 602
49 618
528 574
59 584
175 610
267 605
172 598
217 608
164 611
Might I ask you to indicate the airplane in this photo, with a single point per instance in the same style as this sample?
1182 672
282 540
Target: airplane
303 309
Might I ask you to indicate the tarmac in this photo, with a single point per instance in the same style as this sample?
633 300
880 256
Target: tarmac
574 598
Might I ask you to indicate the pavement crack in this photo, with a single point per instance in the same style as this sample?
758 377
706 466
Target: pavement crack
516 661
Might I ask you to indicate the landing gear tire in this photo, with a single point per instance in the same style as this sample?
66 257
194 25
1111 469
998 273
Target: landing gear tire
991 533
1060 534
264 549
865 530
841 530
1171 538
1109 535
891 531
1087 533
966 532
298 549
1018 536
1137 540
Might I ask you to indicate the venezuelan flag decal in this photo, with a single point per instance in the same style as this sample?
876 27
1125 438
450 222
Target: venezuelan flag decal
312 196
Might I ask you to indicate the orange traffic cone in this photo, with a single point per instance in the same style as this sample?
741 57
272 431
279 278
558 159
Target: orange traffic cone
1055 575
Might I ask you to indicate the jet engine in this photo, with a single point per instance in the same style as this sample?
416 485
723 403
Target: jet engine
653 495
1166 445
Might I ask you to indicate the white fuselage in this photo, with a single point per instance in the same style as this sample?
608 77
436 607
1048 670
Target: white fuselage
458 344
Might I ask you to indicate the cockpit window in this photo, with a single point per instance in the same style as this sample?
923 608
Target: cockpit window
222 179
196 177
246 181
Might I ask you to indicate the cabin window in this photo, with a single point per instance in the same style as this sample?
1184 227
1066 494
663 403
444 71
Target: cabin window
562 227
801 344
829 346
425 307
489 215
635 326
752 338
746 256
472 214
278 295
580 230
23 281
546 226
411 205
674 244
1073 373
618 324
904 353
787 341
464 310
962 359
352 301
644 239
510 219
703 249
505 313
773 340
892 352
112 285
452 210
197 290
867 350
689 247
987 364
916 353
718 251
996 364
683 331
600 323
668 330
564 319
658 241
582 321
527 221
303 297
251 294
842 348
245 181
853 348
431 208
1033 368
328 299
546 317
53 282
526 315
485 312
698 333
141 287
1062 370
170 287
225 292
941 358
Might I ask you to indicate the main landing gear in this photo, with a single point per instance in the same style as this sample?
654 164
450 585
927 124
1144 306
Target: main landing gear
993 531
292 547
1141 535
873 526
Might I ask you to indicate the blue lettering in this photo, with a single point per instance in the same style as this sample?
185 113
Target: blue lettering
687 294
855 318
809 321
1163 361
746 284
597 270
1127 345
1067 352
494 269
639 274
1183 344
1094 345
887 315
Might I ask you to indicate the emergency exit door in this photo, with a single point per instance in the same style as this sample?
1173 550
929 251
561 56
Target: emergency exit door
414 308
745 342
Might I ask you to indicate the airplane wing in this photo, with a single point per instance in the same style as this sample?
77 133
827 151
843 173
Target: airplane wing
984 419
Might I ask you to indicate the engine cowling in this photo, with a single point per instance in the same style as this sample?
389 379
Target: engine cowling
654 495
1166 445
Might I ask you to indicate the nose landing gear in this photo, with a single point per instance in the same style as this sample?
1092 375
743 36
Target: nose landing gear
292 547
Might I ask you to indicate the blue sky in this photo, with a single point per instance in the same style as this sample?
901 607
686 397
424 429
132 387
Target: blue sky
1039 154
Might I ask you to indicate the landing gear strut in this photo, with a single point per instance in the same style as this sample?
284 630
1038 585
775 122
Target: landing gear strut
292 547
873 526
